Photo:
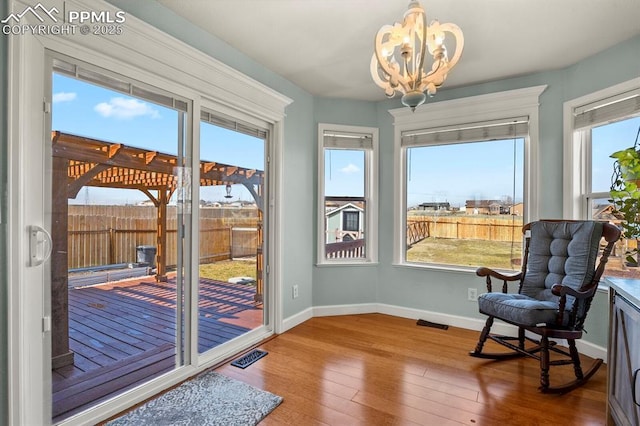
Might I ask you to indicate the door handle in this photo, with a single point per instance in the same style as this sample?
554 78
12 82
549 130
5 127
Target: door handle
633 387
40 245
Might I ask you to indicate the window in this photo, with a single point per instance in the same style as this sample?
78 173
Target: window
463 189
597 125
347 211
351 221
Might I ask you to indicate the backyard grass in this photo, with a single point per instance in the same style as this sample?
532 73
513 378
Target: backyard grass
449 251
226 269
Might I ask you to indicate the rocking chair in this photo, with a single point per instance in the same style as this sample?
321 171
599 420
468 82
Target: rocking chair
556 285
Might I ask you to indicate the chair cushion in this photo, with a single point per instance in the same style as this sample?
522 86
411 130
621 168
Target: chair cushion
560 253
518 308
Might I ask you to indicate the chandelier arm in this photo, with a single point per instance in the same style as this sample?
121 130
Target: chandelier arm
445 67
457 34
390 73
423 53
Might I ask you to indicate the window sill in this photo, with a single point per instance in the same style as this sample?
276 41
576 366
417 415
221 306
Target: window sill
331 264
441 268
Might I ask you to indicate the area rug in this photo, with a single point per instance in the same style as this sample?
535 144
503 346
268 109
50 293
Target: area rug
209 399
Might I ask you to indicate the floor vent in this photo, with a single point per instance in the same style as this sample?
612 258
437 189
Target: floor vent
432 324
248 359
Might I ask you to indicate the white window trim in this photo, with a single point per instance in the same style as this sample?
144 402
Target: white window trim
474 109
577 162
146 54
371 196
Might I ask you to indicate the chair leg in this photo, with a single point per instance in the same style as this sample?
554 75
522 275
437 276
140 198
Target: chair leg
483 336
521 338
581 377
544 363
575 357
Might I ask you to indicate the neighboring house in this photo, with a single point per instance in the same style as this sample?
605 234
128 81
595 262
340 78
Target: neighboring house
433 207
484 206
493 207
344 223
517 209
607 213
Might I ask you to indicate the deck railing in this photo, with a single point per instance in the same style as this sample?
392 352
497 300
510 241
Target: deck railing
345 249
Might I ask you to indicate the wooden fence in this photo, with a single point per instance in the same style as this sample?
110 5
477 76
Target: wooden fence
104 235
506 228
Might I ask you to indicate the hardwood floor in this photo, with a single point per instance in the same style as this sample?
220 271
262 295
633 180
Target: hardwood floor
376 369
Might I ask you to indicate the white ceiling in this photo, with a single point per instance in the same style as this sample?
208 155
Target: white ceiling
325 46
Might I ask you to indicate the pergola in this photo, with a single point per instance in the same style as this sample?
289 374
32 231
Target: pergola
79 161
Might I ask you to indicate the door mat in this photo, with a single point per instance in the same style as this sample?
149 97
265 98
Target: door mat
210 399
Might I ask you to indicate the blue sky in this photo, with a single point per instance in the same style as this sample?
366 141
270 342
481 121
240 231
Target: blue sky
459 172
344 172
89 110
606 140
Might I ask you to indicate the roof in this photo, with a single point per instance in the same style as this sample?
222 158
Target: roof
343 207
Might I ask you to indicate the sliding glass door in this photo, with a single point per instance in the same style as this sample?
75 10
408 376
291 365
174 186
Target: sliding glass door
119 180
233 183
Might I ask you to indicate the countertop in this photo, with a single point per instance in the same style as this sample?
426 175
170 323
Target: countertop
627 288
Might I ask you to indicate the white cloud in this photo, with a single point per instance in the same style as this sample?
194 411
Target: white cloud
64 97
351 168
125 109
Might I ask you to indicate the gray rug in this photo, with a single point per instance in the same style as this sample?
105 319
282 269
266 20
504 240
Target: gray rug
208 399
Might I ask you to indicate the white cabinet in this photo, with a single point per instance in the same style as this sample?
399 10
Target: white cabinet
624 353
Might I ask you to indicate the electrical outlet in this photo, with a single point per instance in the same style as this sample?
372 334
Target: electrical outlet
295 291
472 294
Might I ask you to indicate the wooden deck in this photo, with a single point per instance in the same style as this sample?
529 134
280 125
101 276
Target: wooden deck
124 333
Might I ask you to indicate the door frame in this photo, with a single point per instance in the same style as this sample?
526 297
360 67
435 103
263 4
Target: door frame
133 53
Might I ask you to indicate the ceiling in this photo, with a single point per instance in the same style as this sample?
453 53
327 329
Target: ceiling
325 46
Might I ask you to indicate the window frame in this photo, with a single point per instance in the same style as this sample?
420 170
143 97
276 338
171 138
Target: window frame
577 152
460 112
370 218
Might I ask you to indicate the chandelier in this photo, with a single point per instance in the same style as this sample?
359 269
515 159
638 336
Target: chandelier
398 63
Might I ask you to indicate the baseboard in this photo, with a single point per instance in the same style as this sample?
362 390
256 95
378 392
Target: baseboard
299 318
591 350
334 310
584 347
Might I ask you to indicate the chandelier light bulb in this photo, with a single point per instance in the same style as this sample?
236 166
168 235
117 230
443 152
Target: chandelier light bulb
403 51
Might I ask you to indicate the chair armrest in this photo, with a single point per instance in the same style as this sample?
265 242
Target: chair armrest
563 290
489 273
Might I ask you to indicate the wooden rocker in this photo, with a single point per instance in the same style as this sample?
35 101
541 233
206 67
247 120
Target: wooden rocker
556 285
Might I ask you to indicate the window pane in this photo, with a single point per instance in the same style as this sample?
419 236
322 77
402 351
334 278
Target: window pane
617 266
344 201
232 284
605 140
465 204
